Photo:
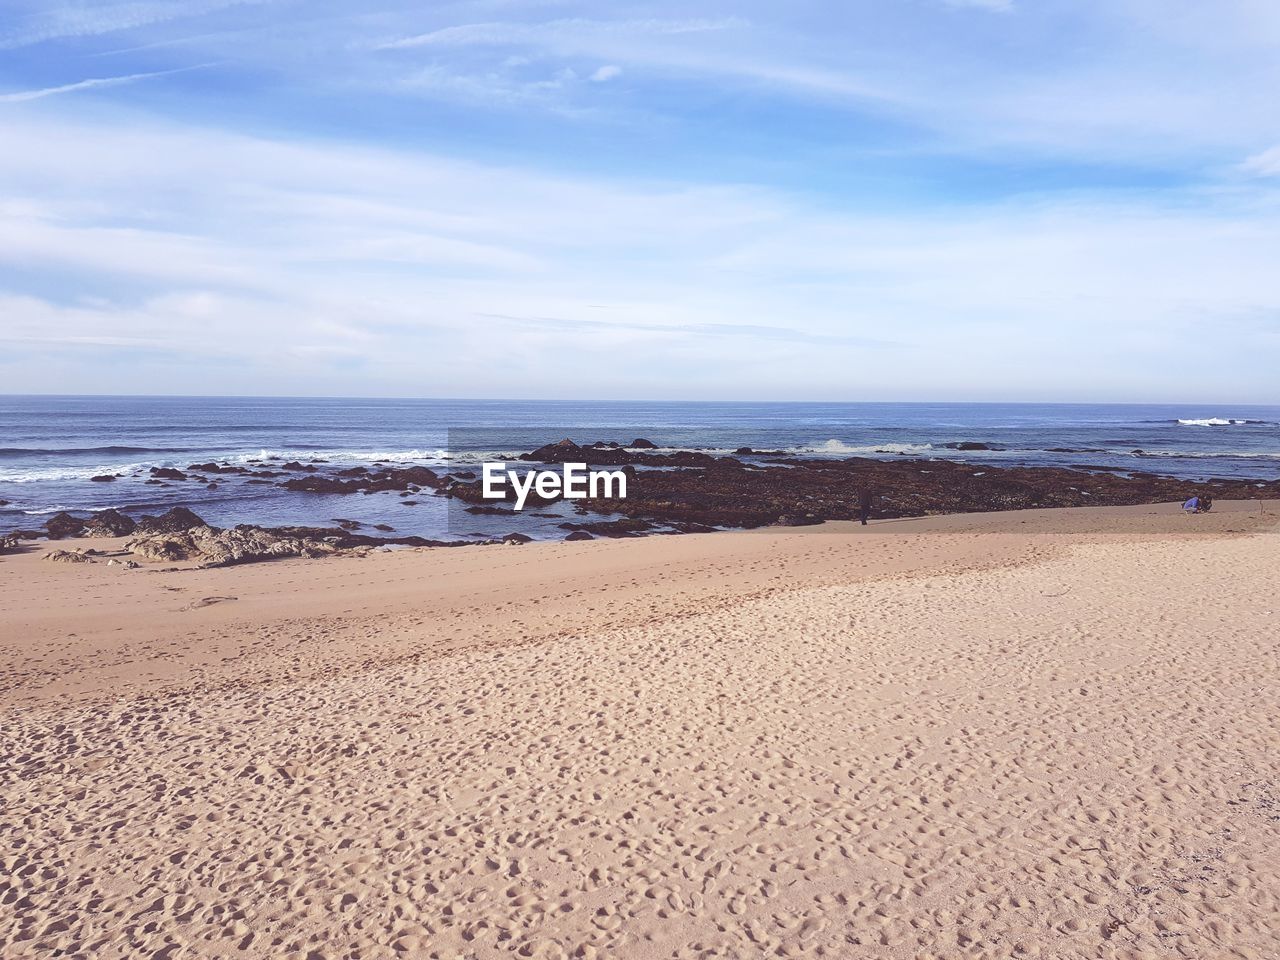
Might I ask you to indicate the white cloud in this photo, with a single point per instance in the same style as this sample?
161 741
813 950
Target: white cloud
44 23
607 73
23 95
409 263
572 34
1263 164
996 6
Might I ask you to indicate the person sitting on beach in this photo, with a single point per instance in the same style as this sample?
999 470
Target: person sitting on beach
1206 503
1192 505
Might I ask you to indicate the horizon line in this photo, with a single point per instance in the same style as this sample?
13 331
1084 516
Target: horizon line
621 400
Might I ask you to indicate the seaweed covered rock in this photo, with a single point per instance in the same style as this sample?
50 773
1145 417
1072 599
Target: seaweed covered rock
364 481
174 520
109 523
62 525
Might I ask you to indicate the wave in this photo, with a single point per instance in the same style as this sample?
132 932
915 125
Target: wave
338 456
1218 422
1200 454
840 447
66 508
13 452
67 473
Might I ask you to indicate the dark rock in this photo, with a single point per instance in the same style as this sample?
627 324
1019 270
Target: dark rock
109 523
495 511
349 524
384 527
211 486
103 478
640 443
579 535
969 445
296 466
802 491
559 452
62 525
807 520
215 468
743 452
405 479
517 538
628 527
167 473
566 451
175 520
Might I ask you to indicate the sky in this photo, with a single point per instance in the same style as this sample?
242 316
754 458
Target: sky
1010 200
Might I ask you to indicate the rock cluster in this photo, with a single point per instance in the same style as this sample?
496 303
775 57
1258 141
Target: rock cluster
63 525
67 556
611 455
214 547
408 479
174 520
109 523
793 492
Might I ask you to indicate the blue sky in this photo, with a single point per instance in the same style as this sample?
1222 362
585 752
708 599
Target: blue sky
921 199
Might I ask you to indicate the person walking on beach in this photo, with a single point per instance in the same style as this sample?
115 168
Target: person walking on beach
864 505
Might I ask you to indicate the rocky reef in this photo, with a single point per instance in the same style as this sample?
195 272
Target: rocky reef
668 492
793 492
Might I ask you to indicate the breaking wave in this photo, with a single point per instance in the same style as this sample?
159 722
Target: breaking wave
1216 422
840 447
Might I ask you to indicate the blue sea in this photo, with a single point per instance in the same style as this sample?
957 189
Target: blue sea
50 446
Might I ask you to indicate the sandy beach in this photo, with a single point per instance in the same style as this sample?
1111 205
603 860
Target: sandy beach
1043 733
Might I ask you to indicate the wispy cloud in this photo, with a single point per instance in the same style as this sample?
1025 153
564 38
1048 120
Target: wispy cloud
24 95
679 47
44 23
1263 164
399 259
995 6
765 195
733 331
570 33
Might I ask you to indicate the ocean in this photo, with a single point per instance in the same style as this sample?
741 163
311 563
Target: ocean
50 446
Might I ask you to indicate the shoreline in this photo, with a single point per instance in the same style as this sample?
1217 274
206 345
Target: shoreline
669 493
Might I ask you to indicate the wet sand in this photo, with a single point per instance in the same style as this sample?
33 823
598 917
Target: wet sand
1046 733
